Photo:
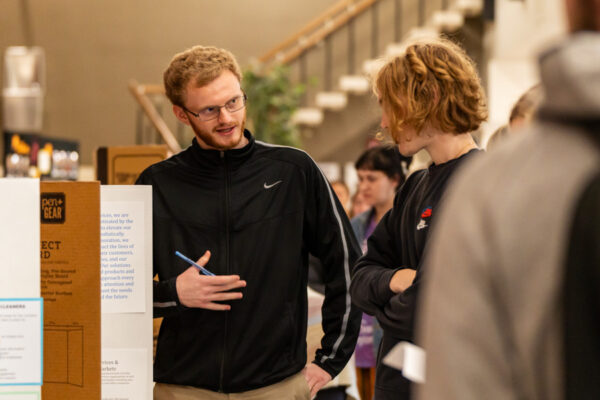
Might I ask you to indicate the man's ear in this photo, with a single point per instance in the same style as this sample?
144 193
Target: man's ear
181 115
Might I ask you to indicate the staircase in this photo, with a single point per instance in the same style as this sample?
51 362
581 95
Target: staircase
342 47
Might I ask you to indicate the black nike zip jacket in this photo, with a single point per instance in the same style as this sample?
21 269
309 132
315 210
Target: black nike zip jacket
260 210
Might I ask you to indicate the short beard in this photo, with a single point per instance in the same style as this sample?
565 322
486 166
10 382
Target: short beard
207 139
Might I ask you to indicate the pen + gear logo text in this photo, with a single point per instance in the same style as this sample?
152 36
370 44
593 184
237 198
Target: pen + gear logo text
53 209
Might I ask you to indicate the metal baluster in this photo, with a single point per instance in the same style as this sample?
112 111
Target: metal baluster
26 22
374 31
351 43
139 126
397 21
488 10
421 12
327 64
159 108
148 131
303 77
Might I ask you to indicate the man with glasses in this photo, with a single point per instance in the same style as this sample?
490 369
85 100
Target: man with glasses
250 213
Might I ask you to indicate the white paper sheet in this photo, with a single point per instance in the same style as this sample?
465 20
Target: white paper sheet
127 323
124 374
122 256
19 237
408 358
21 341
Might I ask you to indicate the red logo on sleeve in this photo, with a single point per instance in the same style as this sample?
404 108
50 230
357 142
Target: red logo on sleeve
426 213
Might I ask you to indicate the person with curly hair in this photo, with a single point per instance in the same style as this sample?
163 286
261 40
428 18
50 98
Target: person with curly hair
431 98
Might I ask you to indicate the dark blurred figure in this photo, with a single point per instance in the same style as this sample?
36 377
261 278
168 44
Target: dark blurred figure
582 299
492 313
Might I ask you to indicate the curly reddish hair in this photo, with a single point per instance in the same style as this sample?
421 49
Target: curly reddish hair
432 83
203 64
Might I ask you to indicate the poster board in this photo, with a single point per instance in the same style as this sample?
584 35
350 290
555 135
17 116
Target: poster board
70 285
126 292
20 303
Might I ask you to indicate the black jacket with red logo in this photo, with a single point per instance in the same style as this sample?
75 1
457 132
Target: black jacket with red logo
398 242
260 210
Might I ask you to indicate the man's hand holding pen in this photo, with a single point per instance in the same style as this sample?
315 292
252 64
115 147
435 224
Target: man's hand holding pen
202 291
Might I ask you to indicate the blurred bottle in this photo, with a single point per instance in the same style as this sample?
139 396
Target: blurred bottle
23 89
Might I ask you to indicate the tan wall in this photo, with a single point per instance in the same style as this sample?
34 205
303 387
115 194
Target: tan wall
93 47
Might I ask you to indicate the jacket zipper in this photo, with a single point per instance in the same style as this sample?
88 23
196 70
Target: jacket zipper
222 372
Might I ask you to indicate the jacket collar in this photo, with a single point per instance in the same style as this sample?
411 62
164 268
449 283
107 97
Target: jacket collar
234 157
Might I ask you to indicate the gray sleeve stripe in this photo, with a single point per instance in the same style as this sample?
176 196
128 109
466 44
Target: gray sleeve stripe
165 305
343 331
346 274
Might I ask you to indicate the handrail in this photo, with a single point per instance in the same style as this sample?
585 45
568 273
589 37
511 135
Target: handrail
311 26
152 88
317 30
322 26
140 94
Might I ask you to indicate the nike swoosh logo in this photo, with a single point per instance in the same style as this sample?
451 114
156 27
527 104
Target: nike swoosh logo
272 184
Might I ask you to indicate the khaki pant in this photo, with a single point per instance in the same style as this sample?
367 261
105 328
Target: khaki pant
292 388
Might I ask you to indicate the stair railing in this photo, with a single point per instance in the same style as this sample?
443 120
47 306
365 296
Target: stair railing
319 32
141 93
296 48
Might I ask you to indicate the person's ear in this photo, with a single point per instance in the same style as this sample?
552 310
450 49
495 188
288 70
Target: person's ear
181 115
396 180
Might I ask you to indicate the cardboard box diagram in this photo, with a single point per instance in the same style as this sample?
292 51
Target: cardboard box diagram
70 286
66 360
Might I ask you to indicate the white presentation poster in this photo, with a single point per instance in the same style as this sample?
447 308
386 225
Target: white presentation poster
126 287
20 237
20 289
122 232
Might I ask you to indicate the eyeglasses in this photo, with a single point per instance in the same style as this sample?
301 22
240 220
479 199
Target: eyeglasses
212 112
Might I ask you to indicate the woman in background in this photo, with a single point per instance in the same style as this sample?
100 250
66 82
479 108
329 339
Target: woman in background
380 174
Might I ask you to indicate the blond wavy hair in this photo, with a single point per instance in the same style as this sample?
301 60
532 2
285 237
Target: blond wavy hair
434 83
203 64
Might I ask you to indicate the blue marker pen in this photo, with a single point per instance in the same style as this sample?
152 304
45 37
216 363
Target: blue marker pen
201 268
